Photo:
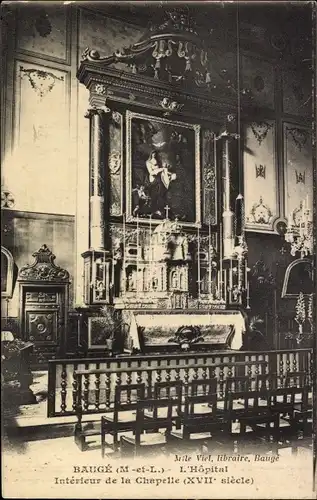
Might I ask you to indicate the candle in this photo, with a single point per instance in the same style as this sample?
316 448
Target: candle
198 261
112 272
209 261
227 175
124 256
245 273
104 270
220 257
225 283
239 273
239 215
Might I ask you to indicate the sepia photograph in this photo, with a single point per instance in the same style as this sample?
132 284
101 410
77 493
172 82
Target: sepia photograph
158 255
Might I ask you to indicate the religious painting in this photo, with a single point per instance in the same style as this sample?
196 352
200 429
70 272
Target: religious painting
163 170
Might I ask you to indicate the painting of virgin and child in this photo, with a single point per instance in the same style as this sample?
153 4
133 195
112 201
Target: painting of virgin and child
162 168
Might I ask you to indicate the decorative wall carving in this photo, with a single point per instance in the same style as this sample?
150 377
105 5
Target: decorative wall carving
260 171
300 177
299 135
42 82
261 212
7 199
43 268
115 163
170 106
260 130
42 326
209 177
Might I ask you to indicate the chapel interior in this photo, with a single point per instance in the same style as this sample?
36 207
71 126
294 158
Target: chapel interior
157 213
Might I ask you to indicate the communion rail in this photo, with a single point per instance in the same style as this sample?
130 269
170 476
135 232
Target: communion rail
99 376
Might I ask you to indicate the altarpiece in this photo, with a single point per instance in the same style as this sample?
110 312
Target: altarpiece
166 261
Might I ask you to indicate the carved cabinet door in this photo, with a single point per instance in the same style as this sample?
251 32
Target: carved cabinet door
44 321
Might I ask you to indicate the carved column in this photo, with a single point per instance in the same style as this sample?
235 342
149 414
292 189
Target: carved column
96 180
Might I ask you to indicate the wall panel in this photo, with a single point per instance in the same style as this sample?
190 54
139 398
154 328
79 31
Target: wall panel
41 152
44 31
260 176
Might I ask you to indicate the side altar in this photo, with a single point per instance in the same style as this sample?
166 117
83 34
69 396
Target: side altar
166 261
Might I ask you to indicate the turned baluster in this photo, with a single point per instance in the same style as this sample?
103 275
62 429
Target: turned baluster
221 380
204 369
168 379
149 384
63 388
86 391
97 390
75 388
79 410
294 362
108 390
186 378
129 374
158 372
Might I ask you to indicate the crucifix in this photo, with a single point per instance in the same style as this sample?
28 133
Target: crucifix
167 209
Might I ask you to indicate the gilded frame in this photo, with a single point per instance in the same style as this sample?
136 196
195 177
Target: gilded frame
130 216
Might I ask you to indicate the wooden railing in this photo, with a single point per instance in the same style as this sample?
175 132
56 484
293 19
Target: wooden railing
99 376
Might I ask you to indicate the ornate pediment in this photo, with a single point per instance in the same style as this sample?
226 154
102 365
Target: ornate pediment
173 51
43 268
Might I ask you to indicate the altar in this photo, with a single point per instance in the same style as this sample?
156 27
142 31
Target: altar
165 267
157 331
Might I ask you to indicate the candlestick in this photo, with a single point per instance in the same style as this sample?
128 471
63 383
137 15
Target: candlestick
104 270
198 261
225 283
220 263
124 257
239 274
93 276
248 296
209 261
245 273
227 175
239 225
215 170
112 272
137 253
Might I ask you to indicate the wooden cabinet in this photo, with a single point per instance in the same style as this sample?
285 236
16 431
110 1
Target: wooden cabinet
43 305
